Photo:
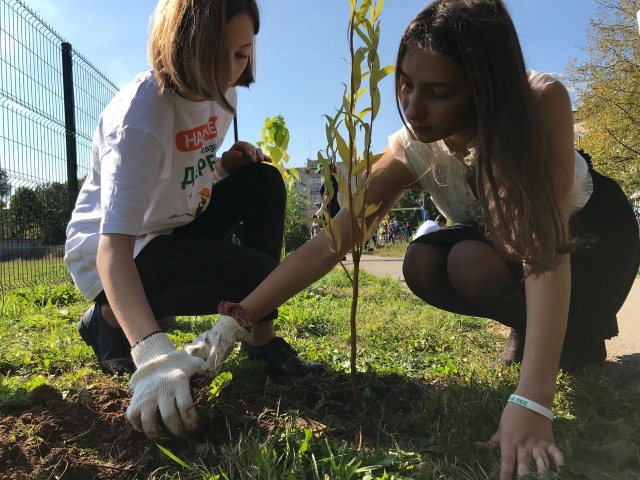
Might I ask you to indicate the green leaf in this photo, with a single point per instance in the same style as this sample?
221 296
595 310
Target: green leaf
364 112
343 149
371 209
219 383
357 207
372 229
363 36
378 10
383 72
364 8
375 104
307 438
342 184
356 70
175 458
359 168
332 233
361 92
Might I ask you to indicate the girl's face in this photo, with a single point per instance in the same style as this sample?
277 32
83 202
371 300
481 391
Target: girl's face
436 97
238 42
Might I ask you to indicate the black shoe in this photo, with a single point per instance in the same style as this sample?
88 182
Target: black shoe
281 358
109 344
514 351
577 355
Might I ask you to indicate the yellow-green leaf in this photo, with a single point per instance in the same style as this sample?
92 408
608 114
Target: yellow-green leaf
357 207
378 10
371 209
372 229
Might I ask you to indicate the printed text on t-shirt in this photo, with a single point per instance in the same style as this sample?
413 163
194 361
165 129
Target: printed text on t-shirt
191 173
190 140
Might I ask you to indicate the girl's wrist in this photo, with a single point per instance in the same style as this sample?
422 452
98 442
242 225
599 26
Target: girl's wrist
218 172
538 393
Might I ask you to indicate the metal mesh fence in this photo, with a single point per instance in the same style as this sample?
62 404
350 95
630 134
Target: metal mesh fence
50 101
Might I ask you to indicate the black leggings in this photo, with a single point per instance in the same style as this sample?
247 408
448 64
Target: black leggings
195 268
456 268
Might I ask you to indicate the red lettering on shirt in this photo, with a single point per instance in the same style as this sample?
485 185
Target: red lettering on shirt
190 140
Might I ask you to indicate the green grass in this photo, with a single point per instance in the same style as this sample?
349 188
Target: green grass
428 382
22 273
398 250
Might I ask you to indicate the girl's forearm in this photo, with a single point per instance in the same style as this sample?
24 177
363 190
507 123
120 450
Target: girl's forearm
303 267
548 298
123 287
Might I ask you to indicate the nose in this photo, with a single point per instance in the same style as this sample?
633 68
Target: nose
236 67
414 107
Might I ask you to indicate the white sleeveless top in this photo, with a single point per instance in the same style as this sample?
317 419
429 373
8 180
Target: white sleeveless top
441 171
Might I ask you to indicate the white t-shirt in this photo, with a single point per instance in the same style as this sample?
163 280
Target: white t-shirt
426 227
152 169
441 171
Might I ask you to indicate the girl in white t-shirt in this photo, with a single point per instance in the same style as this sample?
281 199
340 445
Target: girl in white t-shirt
148 238
540 242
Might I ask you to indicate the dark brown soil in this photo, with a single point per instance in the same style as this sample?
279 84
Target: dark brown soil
87 436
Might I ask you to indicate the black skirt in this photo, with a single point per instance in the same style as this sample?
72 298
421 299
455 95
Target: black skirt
603 267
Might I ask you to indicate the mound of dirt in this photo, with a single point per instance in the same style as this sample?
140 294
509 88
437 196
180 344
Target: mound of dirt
87 436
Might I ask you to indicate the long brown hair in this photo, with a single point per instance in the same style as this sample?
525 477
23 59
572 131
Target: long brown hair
515 168
186 42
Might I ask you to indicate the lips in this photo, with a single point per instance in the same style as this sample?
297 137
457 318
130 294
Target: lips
419 128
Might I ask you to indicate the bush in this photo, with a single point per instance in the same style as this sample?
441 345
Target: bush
296 233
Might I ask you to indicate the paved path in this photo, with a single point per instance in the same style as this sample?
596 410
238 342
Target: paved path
623 349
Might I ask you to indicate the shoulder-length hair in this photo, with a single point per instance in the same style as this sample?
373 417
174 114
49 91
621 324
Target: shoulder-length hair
186 44
514 178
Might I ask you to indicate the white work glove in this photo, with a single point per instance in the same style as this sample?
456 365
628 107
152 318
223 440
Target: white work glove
215 345
161 399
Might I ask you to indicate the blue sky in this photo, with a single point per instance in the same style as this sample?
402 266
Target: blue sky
300 50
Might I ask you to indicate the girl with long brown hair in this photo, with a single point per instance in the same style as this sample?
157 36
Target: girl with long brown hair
542 242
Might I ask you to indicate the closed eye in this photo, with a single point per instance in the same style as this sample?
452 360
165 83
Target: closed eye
404 81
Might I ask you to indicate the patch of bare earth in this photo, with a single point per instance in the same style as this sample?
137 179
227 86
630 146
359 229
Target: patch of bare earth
87 436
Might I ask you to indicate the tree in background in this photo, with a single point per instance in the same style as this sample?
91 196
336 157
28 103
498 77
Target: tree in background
5 188
54 213
413 199
40 213
25 208
296 233
274 142
608 85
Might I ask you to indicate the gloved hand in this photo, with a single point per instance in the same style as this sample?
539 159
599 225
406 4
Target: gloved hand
214 345
161 399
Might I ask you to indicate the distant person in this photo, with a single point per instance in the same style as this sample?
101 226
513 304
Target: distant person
430 226
394 230
334 205
315 225
147 237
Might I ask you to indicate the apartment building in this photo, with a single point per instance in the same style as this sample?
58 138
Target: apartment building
309 183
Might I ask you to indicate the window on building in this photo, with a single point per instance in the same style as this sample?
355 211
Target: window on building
314 180
315 189
315 198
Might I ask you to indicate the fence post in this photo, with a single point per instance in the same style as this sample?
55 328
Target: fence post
235 127
70 124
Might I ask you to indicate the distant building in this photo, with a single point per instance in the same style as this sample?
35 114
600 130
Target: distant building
309 183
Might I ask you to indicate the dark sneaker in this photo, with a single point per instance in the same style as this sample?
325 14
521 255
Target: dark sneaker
514 351
109 344
281 358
